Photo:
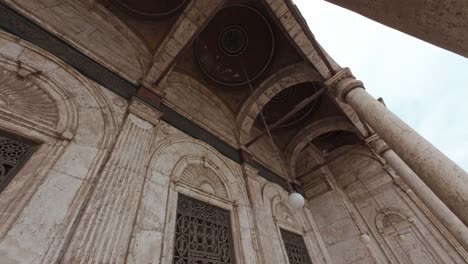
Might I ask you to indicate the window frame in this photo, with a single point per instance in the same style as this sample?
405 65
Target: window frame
33 147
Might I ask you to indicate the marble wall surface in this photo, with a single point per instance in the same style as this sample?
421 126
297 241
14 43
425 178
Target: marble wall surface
102 186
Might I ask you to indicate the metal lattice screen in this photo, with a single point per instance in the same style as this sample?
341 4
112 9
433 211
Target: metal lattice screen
203 233
295 247
13 153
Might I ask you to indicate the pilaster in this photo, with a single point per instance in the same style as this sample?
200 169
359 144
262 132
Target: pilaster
106 225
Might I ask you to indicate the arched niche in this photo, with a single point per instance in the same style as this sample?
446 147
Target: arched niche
70 119
181 165
279 81
404 238
276 214
201 105
94 31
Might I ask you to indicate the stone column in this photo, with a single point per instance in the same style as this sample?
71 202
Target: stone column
437 207
448 181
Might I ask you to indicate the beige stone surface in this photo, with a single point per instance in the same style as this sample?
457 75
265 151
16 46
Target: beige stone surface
103 184
420 155
96 32
437 207
442 23
40 203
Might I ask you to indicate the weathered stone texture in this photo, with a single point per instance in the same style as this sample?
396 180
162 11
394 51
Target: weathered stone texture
102 185
94 31
442 23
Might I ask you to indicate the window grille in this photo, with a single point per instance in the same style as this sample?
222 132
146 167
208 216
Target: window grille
13 154
295 247
203 233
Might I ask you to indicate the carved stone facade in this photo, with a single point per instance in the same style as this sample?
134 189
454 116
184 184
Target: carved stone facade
125 138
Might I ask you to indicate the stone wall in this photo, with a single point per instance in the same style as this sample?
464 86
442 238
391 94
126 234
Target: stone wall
103 184
94 31
366 197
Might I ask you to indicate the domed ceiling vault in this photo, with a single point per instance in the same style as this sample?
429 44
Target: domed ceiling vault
167 26
239 48
242 43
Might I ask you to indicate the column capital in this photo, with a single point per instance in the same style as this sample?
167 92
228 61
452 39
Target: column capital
144 111
249 170
377 144
342 83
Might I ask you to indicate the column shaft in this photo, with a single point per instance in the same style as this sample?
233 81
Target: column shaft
442 175
437 207
448 181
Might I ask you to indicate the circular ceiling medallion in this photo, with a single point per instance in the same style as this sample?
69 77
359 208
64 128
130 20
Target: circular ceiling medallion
282 103
152 8
238 42
233 41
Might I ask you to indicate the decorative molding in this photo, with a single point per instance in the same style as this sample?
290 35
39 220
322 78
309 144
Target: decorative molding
377 144
22 97
342 83
144 111
205 179
283 214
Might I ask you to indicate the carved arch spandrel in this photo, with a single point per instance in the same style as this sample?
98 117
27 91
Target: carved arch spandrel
82 109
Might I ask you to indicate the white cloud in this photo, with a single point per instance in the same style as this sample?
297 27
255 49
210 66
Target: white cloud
424 85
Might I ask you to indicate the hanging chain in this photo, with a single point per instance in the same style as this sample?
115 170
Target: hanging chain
262 117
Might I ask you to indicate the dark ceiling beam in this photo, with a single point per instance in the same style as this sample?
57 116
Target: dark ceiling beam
287 116
183 32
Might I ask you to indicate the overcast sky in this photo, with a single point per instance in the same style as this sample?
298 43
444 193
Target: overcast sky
424 85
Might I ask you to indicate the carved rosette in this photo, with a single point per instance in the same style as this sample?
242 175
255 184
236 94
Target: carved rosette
342 83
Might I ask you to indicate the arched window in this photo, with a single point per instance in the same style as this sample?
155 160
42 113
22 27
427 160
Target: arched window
404 238
295 248
14 152
203 233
